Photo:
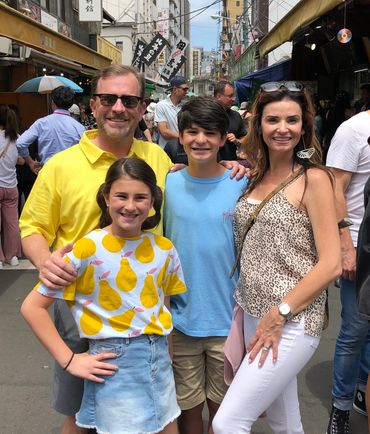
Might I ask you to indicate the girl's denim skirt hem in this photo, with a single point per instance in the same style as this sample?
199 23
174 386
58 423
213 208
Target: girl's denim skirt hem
140 398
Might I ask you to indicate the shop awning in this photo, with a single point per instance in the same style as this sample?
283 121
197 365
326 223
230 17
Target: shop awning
277 72
25 30
302 14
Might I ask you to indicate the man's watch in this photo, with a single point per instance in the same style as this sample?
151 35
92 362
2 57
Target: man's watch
285 311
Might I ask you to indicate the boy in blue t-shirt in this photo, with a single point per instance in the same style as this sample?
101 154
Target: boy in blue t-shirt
199 206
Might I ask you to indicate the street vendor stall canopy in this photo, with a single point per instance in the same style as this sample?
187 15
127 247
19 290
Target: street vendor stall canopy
277 72
302 14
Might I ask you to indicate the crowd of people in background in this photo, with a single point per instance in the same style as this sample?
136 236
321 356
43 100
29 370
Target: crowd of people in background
245 243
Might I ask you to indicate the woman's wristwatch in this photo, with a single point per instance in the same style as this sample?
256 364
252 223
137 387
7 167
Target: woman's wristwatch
285 311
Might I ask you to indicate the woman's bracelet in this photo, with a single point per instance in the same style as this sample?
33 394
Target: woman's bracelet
70 360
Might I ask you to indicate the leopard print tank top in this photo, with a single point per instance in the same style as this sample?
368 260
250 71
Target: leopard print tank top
278 251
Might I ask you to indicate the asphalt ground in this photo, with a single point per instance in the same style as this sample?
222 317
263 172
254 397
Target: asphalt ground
27 369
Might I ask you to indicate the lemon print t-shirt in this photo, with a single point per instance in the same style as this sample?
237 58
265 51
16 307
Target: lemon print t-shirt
121 285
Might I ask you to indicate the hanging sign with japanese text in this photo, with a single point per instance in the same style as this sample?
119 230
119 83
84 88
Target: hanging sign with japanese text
90 10
137 60
153 49
176 59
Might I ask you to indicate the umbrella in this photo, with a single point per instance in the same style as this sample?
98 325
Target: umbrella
46 83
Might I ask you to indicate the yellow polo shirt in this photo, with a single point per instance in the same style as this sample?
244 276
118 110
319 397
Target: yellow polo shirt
62 205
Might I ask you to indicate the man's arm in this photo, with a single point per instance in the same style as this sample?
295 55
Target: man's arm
165 132
342 181
26 139
54 272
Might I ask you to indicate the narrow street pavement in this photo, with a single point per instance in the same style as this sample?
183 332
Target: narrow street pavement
26 369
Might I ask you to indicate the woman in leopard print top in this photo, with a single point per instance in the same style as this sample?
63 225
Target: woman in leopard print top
288 258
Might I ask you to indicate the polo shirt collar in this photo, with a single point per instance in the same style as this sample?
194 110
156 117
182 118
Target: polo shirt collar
61 111
93 152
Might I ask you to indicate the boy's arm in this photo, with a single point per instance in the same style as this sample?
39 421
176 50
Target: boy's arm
34 310
236 169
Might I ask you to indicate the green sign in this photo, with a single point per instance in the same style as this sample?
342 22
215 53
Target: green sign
245 64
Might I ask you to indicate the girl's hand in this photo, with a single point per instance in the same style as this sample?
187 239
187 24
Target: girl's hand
267 337
88 366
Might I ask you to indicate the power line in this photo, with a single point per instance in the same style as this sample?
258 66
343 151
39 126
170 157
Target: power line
200 10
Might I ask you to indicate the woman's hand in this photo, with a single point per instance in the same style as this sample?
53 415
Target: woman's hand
88 366
267 337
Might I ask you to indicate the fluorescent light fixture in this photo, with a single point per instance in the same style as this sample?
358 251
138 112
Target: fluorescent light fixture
361 70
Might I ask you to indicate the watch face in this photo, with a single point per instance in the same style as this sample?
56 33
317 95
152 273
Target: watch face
284 309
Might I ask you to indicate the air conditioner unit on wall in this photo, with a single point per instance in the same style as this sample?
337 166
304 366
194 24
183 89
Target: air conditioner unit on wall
5 46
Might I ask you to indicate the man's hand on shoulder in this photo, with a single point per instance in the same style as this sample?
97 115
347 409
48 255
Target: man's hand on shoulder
237 170
177 166
55 272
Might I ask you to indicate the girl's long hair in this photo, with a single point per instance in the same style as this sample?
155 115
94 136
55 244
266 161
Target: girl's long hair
255 147
134 168
9 122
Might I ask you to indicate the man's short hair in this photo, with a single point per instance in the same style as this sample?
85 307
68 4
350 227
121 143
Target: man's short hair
219 88
62 97
117 70
366 87
205 112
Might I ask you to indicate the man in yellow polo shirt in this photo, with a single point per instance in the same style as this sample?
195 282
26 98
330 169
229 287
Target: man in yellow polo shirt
62 206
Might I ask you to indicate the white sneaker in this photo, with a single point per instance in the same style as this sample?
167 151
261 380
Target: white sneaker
1 265
13 261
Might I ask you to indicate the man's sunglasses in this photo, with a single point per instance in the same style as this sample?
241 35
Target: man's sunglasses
108 99
274 86
185 89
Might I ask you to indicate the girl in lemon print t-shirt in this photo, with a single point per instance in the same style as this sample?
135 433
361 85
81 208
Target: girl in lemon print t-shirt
120 302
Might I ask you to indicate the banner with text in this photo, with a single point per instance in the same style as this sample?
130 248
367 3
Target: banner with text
176 59
153 49
137 60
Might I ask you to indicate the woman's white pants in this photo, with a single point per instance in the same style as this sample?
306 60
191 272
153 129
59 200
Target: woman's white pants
271 388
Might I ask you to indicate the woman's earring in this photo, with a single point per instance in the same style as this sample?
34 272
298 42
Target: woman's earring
305 153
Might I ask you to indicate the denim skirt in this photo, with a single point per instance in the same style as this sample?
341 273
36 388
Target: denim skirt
140 398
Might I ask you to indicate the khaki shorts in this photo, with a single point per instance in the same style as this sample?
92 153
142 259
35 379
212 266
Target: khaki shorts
198 365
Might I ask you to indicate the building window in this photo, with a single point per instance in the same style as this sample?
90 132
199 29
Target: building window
119 45
237 3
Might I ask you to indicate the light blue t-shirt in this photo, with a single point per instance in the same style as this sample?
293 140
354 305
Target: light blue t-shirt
198 220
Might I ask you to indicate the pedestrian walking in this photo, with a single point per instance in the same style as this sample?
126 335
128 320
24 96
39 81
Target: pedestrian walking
363 272
349 161
120 303
224 94
288 257
10 242
54 133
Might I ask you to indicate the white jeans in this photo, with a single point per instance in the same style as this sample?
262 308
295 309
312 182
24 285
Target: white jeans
271 388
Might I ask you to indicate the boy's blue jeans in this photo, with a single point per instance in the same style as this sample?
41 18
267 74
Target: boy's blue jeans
352 350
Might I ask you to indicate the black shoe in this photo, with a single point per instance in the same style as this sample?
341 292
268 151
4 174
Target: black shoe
339 422
359 403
